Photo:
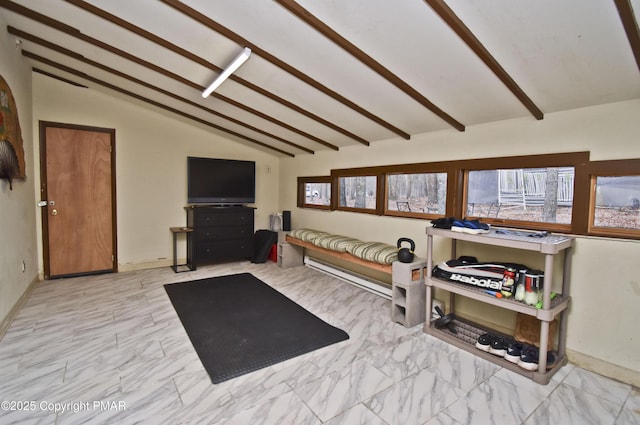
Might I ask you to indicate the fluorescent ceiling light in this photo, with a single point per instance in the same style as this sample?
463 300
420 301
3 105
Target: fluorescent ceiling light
237 62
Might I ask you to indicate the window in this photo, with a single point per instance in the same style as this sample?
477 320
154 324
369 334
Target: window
562 192
314 192
419 193
542 195
357 192
615 201
318 194
546 192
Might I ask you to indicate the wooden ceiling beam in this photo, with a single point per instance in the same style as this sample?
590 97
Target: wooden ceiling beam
201 61
213 25
456 24
38 17
37 40
367 60
113 87
57 77
630 24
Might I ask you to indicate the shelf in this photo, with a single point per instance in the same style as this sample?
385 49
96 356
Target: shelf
558 304
551 244
466 337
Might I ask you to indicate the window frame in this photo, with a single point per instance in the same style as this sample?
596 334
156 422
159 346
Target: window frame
575 160
424 168
302 194
457 171
355 172
610 168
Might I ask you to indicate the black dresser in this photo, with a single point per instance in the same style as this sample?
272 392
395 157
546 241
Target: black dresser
220 233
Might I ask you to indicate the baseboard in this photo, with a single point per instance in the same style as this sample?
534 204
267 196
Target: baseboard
604 368
361 281
8 319
164 262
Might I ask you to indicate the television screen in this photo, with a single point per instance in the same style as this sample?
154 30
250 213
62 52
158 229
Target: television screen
220 181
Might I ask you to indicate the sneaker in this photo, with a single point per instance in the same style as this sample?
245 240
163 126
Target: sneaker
514 351
498 346
474 227
484 342
530 357
443 223
492 343
457 226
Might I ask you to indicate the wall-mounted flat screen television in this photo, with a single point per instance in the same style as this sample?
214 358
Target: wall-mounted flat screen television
220 181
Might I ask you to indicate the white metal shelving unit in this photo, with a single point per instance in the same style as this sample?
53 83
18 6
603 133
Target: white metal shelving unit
550 246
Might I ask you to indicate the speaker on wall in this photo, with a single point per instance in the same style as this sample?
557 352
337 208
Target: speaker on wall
286 220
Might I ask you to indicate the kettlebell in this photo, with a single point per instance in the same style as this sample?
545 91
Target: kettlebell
405 255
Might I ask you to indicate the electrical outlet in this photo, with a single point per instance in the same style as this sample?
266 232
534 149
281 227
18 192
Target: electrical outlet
268 169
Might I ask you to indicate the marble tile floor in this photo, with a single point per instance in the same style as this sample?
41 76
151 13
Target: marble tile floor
110 349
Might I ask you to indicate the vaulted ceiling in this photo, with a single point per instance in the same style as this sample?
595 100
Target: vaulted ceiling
326 74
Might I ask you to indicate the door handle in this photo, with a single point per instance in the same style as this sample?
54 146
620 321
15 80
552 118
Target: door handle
54 212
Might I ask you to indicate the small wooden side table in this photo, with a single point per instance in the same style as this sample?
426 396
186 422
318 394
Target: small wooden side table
190 265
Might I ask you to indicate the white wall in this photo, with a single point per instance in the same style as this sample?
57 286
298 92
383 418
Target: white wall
17 211
151 151
602 329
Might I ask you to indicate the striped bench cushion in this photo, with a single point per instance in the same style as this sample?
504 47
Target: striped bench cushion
376 252
337 242
308 235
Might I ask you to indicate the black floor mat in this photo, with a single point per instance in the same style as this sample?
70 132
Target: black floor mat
239 324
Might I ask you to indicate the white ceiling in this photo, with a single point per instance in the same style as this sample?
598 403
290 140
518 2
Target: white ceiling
562 54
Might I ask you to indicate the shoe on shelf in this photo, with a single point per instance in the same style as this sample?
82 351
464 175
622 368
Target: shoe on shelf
443 223
499 346
484 342
529 359
472 227
492 343
457 226
514 350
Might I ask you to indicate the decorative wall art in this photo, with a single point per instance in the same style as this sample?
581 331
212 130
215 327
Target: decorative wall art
11 148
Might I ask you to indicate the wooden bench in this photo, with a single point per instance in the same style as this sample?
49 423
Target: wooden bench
406 290
385 268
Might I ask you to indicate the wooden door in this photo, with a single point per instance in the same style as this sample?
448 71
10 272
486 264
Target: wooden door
78 184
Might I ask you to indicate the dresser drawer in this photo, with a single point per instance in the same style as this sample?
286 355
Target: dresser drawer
224 250
217 233
203 218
